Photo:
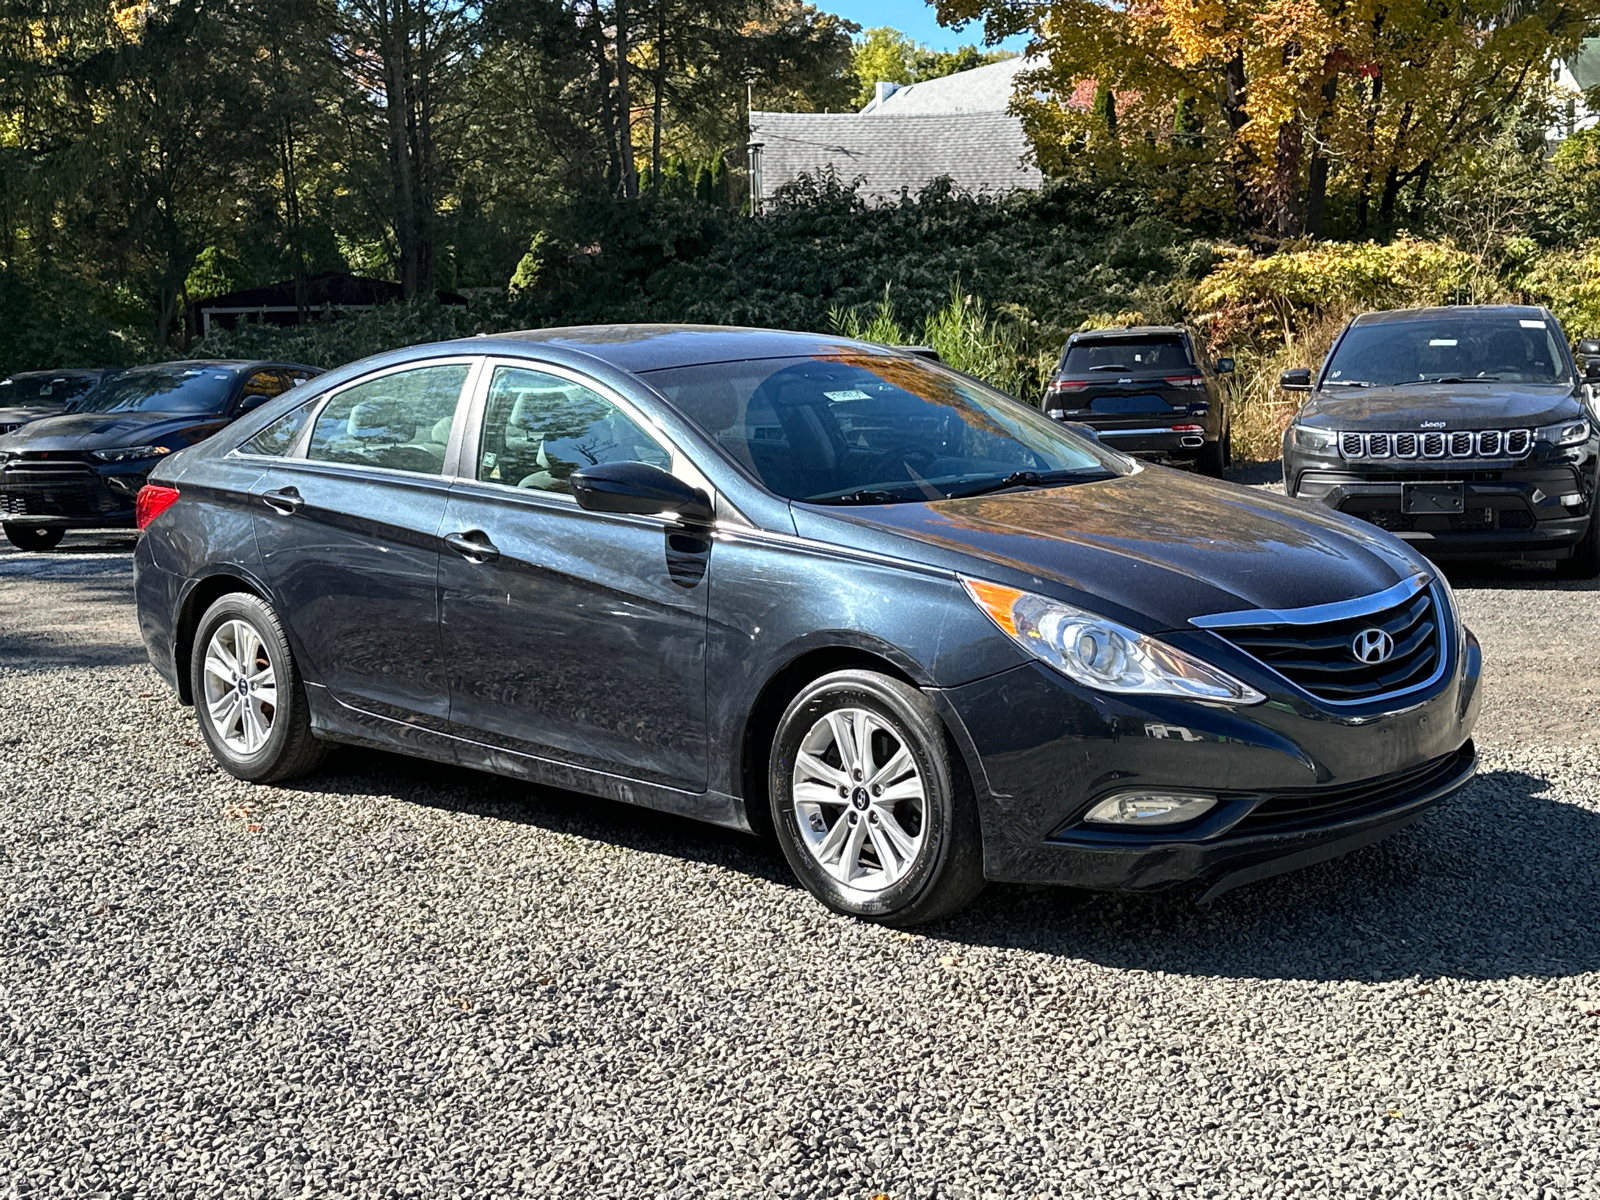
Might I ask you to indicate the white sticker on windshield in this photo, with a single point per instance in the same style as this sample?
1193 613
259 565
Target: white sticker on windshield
1531 324
852 394
1441 341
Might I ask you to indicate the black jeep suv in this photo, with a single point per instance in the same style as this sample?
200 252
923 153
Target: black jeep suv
1146 392
1462 430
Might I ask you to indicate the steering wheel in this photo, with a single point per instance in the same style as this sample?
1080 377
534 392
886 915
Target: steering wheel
908 454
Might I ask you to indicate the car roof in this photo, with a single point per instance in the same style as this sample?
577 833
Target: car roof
1397 316
1093 335
639 348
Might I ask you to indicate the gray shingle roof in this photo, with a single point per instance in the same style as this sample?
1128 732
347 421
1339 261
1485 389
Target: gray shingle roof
982 89
978 151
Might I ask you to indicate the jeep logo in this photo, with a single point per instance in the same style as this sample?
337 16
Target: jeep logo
1431 425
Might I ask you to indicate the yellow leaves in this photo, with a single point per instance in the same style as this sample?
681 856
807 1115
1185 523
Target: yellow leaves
1199 29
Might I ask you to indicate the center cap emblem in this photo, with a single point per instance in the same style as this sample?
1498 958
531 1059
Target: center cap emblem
859 798
1372 646
243 685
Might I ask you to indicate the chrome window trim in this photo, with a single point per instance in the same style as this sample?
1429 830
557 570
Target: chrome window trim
1318 614
1105 433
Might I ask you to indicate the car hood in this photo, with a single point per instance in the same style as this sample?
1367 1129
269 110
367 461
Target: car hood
24 412
1154 548
1458 405
102 431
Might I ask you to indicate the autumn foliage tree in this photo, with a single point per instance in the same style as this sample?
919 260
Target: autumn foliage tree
1286 98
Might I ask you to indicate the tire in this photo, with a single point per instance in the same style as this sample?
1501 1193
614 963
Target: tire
1212 460
919 853
259 740
35 537
1585 560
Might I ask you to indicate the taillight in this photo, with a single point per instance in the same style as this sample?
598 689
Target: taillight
1188 429
153 500
1185 381
1069 385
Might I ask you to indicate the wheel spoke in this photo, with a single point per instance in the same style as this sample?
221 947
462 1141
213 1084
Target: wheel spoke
861 728
849 862
899 763
216 666
249 645
254 726
818 793
909 788
820 771
221 708
844 738
262 677
904 845
223 654
890 857
829 848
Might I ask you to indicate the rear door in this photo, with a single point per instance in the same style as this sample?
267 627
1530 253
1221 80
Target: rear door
572 635
348 529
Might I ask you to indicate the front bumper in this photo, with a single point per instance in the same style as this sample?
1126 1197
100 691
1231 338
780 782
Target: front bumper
1512 511
68 495
1295 781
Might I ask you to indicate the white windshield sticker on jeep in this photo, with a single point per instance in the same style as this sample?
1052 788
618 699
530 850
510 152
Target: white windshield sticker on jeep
851 394
1531 324
1441 341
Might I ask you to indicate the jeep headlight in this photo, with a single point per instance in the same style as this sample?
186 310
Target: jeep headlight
1102 654
1566 433
1308 439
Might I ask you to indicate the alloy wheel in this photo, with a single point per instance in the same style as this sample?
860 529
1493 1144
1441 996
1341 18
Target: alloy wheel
241 689
859 800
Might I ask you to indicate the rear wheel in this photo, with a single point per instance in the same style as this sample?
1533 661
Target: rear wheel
248 694
873 813
34 537
1585 560
1214 457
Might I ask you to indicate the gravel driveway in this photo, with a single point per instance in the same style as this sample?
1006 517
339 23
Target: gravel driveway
411 980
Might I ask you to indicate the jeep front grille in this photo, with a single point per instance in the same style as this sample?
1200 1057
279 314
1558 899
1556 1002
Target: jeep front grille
1463 443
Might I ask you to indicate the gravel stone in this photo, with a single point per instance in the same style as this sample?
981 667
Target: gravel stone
397 979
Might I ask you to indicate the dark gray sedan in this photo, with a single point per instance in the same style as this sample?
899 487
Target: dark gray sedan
917 630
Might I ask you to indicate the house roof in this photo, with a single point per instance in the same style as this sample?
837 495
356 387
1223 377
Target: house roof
982 89
891 154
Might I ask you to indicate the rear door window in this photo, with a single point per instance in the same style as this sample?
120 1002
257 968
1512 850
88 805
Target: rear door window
400 421
1141 356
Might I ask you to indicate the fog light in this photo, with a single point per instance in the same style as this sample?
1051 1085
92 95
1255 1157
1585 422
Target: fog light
1150 808
1573 499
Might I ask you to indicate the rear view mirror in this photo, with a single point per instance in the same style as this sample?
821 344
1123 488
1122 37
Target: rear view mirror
639 489
1296 380
1224 366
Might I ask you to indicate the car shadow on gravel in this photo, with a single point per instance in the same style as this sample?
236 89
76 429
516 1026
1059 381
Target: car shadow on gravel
1517 576
1502 881
358 772
67 646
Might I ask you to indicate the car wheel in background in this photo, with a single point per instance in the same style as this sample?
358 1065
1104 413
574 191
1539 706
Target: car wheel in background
34 537
1585 560
1213 458
248 695
873 814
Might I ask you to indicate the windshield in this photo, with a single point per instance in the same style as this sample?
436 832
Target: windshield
43 390
1455 348
1126 356
162 389
860 428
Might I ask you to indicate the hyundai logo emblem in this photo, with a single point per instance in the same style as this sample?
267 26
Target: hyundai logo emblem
1372 646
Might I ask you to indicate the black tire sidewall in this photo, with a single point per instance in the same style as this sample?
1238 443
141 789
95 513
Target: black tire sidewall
239 606
918 726
26 537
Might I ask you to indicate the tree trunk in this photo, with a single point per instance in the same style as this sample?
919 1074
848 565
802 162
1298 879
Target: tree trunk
1364 200
608 121
661 88
393 38
630 169
1391 179
1317 176
1235 95
1424 169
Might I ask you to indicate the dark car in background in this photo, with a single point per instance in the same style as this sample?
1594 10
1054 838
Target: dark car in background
29 395
1463 430
785 582
83 468
1147 391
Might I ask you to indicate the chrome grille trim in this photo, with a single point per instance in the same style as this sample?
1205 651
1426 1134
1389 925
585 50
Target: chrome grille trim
1464 443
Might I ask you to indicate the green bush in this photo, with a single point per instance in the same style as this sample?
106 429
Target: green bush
332 343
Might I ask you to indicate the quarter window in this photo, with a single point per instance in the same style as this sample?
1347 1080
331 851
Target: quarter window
276 439
538 429
400 421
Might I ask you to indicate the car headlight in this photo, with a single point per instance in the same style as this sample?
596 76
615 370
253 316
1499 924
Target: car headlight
1308 439
127 453
1102 654
1567 433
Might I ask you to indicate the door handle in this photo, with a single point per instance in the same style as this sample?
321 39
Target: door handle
474 546
284 501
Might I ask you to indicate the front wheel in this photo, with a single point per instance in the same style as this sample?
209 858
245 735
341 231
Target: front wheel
1585 560
34 537
873 813
248 694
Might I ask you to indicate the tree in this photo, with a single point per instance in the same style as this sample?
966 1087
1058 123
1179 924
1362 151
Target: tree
886 55
1286 95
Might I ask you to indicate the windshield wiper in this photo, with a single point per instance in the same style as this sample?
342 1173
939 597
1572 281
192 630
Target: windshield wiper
1018 479
864 496
1111 367
1437 379
1347 383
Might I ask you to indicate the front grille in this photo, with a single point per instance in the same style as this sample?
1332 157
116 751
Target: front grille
63 499
1321 659
1464 443
1311 806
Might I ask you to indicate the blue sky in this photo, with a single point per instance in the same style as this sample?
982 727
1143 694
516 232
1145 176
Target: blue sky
912 17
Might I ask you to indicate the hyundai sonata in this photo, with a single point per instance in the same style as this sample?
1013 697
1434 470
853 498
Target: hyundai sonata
918 631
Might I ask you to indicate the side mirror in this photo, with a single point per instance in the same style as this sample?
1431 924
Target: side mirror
1591 371
1224 366
253 401
640 489
1296 380
1589 348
